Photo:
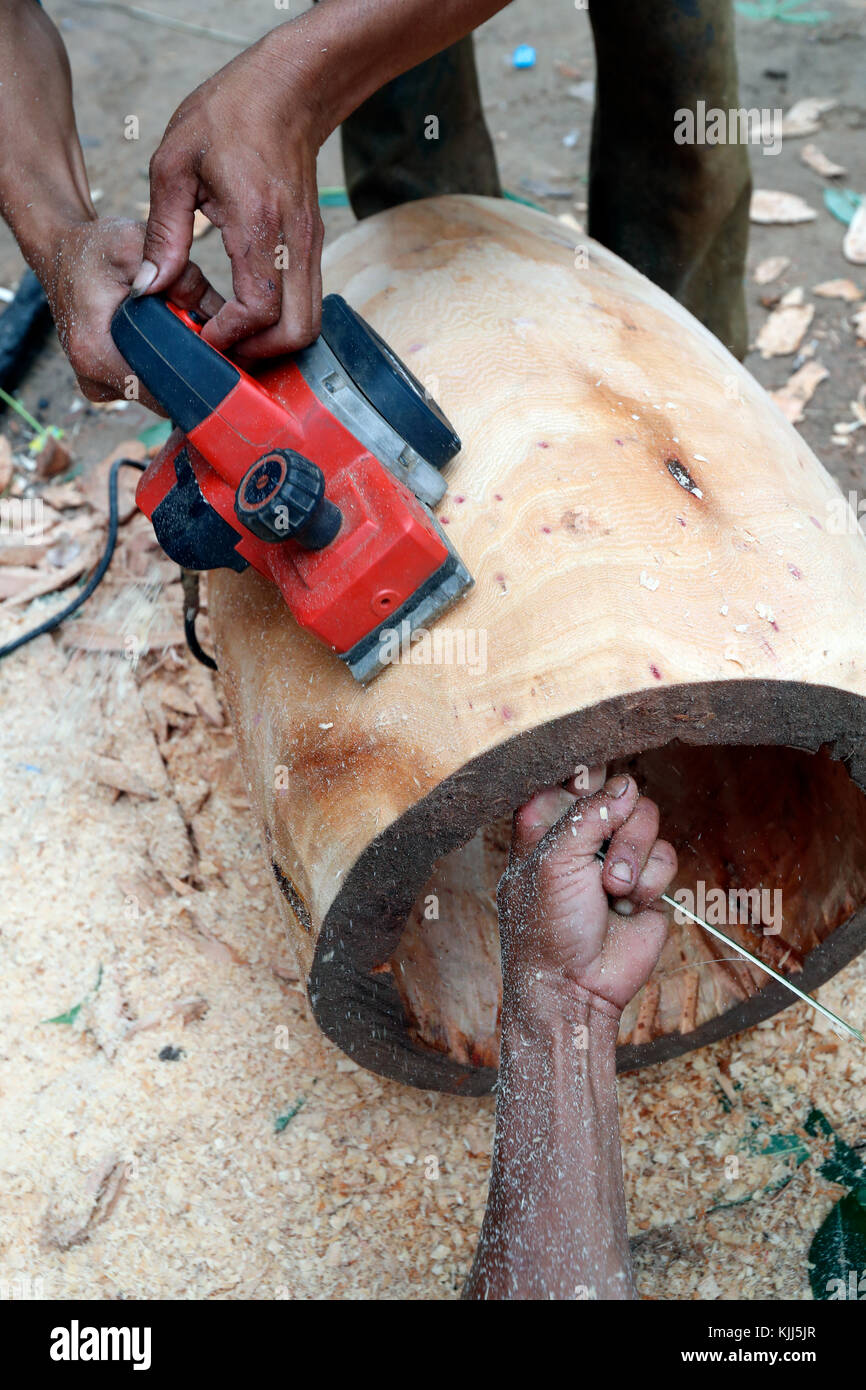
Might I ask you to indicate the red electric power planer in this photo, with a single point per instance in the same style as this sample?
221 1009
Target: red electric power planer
320 472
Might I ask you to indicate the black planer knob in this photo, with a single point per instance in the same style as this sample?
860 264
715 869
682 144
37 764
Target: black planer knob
283 495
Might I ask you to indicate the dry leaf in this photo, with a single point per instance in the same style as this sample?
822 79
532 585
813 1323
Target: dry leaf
15 578
191 796
804 116
19 553
167 840
854 245
189 1010
794 296
73 1220
174 697
817 160
784 330
769 206
6 465
771 269
55 579
84 636
838 289
799 390
113 772
95 485
64 495
52 459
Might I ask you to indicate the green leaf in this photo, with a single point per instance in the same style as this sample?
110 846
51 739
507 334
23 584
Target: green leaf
69 1017
282 1120
155 435
786 11
838 1249
526 202
333 197
787 1144
842 202
844 1165
71 1014
812 17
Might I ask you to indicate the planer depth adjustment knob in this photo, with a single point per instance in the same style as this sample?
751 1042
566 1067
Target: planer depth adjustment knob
282 496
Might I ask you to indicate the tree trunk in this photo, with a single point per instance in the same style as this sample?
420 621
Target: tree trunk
666 580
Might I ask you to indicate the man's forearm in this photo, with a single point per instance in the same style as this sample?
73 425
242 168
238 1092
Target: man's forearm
345 50
43 181
555 1225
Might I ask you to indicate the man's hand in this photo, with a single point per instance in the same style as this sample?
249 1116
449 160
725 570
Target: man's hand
88 273
555 1225
556 921
242 147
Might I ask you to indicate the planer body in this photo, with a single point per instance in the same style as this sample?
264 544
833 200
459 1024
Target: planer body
321 471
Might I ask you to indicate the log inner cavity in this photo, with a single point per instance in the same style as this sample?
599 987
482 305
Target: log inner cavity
770 844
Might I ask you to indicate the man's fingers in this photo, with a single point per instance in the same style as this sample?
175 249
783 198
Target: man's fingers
168 235
534 820
631 949
594 819
630 846
257 280
586 781
655 878
192 290
301 307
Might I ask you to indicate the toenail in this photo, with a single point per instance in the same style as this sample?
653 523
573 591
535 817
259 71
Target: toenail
621 871
616 786
624 906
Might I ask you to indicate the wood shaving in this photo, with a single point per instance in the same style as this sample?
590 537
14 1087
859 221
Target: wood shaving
803 118
818 161
799 390
6 464
854 244
784 330
771 207
838 289
770 269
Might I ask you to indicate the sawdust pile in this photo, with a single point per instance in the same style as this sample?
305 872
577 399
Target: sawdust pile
173 1125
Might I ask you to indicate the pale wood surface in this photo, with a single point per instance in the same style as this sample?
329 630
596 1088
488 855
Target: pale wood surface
613 598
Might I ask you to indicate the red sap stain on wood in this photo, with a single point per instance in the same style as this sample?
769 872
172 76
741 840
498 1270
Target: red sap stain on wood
331 759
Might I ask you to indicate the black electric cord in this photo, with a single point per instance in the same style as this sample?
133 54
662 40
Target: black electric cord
98 574
190 583
189 578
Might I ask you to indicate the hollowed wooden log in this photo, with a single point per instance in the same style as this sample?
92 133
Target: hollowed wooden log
666 582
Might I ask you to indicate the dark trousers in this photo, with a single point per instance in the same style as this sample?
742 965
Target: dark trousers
679 213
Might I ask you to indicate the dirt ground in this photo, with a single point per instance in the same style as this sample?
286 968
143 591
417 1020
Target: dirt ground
183 1131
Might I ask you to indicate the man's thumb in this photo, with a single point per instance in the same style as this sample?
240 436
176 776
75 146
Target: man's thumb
167 238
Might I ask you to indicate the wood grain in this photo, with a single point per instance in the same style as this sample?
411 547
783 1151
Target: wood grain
659 565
